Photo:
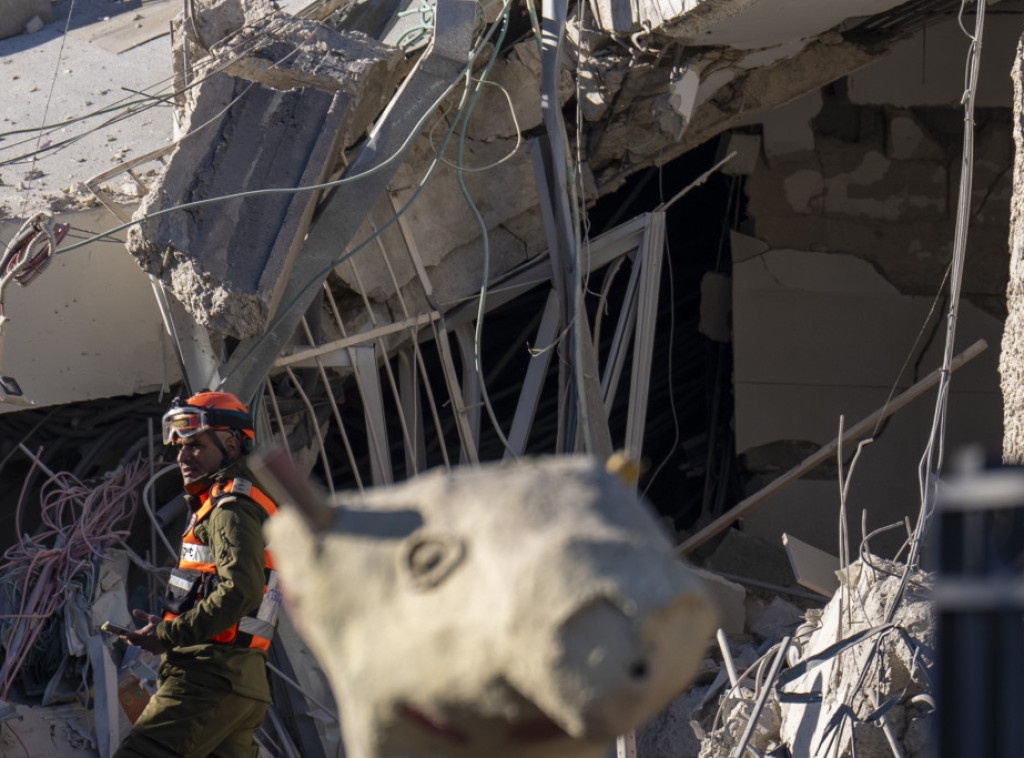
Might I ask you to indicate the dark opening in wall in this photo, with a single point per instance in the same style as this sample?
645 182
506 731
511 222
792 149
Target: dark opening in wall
688 443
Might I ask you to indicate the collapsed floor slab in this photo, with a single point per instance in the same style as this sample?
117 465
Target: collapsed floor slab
280 127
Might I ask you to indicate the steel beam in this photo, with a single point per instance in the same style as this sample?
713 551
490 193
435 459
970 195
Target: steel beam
472 395
365 359
412 409
193 349
343 211
536 372
643 340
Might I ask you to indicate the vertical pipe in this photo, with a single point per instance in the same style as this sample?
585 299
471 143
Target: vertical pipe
979 610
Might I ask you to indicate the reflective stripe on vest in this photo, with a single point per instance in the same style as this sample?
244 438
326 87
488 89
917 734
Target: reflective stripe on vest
196 559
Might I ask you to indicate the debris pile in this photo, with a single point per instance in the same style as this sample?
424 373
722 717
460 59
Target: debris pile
844 682
57 586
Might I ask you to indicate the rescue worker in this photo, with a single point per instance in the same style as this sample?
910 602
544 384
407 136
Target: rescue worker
220 611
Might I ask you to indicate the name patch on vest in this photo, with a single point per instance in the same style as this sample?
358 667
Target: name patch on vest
196 553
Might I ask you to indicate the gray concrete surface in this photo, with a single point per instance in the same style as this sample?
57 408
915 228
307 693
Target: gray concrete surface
52 76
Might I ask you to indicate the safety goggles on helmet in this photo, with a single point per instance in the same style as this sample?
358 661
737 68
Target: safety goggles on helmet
184 421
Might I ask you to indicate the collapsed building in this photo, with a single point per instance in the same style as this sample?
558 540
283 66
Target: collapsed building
714 235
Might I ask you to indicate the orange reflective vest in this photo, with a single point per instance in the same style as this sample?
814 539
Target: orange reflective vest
196 574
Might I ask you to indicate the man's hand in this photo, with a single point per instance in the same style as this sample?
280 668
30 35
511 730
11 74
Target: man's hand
146 636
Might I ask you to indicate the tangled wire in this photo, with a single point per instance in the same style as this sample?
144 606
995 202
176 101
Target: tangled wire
41 573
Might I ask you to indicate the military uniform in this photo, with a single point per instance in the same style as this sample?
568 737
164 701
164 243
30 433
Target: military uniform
212 695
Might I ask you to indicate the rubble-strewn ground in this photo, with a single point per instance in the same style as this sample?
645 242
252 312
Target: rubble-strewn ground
76 104
93 71
848 676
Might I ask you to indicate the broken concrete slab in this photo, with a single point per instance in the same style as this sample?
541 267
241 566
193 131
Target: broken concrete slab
777 620
225 262
750 24
813 567
446 230
899 658
631 128
228 262
319 56
346 207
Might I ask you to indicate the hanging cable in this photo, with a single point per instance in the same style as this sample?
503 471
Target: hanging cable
485 241
40 572
931 461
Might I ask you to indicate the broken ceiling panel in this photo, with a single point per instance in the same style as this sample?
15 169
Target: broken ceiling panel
224 262
228 262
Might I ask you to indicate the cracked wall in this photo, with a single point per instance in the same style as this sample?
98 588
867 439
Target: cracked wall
849 233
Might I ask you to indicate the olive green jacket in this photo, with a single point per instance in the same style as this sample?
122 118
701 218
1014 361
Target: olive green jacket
234 532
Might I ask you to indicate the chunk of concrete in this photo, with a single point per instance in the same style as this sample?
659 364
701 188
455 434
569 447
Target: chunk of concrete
779 619
896 656
18 14
728 597
316 55
813 567
228 261
35 24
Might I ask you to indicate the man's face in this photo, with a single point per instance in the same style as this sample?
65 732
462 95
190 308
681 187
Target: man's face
199 455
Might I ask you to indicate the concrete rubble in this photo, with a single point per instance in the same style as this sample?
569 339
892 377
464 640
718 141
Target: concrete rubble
623 106
843 683
817 264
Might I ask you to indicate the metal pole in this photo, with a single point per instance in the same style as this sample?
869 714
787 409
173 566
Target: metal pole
979 611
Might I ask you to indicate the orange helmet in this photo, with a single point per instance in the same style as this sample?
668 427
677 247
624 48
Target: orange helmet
205 411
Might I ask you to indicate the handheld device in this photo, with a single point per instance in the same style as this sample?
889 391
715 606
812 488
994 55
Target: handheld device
114 629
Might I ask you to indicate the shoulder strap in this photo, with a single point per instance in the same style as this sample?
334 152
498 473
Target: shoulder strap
239 487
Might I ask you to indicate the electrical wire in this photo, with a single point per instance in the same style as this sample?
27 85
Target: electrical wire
485 240
78 522
147 504
400 152
931 461
504 159
126 107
